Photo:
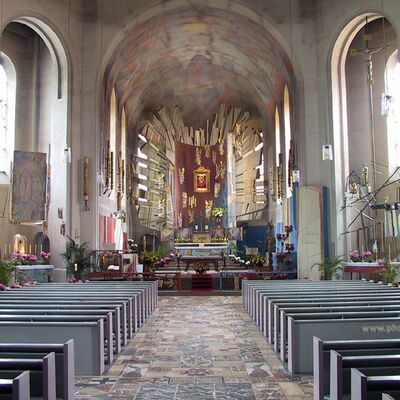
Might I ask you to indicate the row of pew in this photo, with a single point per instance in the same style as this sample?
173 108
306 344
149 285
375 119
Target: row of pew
291 313
88 323
361 369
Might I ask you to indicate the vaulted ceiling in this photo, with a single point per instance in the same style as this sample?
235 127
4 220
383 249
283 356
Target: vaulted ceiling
197 58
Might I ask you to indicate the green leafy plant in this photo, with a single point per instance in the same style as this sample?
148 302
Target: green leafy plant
330 267
389 272
148 258
7 269
75 258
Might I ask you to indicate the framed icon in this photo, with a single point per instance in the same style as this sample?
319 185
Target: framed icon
201 180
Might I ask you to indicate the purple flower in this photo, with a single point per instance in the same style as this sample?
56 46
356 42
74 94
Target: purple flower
279 236
288 228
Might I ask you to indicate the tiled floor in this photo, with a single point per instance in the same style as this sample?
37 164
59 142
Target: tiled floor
197 348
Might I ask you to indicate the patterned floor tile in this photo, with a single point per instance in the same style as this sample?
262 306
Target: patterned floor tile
197 348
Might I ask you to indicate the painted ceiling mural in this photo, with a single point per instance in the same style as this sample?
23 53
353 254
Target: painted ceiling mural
198 58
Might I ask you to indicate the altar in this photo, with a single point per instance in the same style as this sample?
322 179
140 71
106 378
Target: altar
30 273
190 253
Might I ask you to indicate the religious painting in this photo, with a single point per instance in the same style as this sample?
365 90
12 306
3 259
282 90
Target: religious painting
28 202
201 181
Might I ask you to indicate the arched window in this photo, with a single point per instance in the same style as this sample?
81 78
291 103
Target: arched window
7 116
277 136
288 136
113 134
393 118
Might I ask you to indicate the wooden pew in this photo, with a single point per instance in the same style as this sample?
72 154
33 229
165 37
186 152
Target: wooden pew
377 364
64 359
17 387
321 354
88 339
46 387
361 384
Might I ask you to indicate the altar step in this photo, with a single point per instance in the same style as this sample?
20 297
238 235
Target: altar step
201 283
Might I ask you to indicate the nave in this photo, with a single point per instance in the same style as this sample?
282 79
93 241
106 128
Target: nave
197 347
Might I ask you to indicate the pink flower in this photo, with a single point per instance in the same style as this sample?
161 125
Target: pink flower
381 262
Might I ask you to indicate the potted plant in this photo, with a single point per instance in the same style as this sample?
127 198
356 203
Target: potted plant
75 258
7 269
330 267
389 271
148 258
257 260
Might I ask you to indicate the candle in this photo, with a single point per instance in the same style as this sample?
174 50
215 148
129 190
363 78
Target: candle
35 248
5 248
9 248
41 247
30 248
144 243
75 267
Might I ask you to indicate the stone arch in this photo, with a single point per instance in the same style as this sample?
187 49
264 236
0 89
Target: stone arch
338 114
59 127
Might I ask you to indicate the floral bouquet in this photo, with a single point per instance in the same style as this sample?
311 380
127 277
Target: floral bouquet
218 212
355 256
368 256
23 259
45 256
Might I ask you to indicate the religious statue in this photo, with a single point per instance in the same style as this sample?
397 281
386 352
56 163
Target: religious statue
198 156
181 173
208 205
207 151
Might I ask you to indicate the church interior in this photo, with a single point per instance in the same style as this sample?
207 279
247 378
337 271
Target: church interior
196 191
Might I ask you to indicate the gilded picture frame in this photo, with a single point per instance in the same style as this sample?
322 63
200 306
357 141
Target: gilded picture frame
201 180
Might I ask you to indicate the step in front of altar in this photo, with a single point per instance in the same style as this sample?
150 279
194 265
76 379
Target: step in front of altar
202 282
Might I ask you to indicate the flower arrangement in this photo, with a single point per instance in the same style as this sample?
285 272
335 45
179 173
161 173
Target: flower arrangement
219 239
285 249
183 240
132 246
201 267
148 257
23 259
368 256
355 256
45 256
218 212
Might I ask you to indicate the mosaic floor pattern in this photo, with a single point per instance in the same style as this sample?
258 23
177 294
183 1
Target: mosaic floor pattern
195 348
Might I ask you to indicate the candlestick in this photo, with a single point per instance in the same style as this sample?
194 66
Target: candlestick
30 248
75 267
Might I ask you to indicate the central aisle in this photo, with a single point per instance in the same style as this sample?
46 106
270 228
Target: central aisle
197 348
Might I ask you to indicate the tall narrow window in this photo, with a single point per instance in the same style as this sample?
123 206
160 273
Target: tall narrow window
7 116
393 118
113 134
288 136
277 136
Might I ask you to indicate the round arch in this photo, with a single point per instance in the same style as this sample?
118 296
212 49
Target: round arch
338 115
59 127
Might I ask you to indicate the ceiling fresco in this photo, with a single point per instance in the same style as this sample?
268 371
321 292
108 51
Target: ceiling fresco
198 58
